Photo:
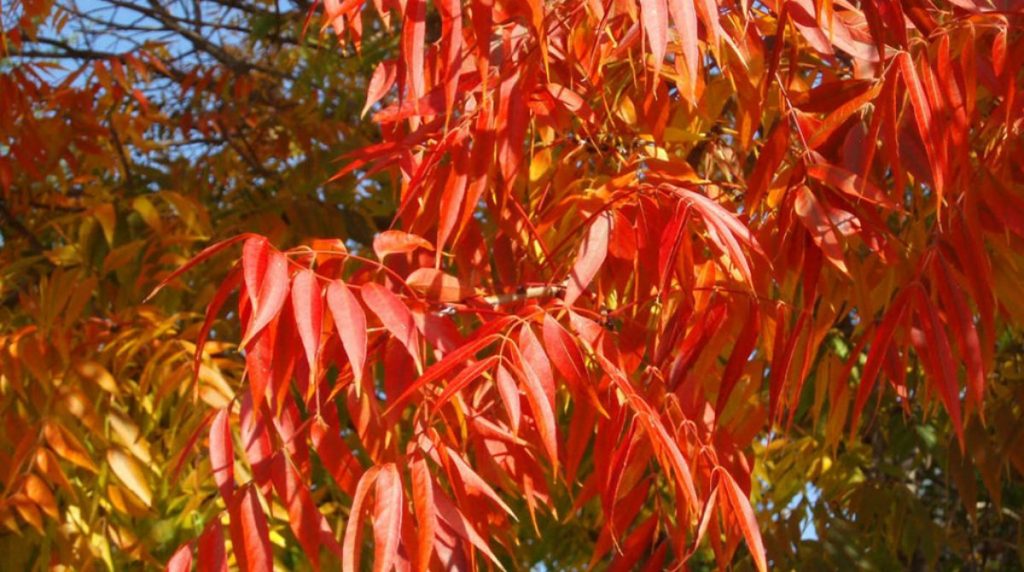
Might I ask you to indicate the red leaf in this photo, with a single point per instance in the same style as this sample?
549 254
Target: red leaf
726 231
571 100
222 455
655 21
413 37
395 316
426 519
925 127
543 411
959 317
484 337
273 291
839 116
509 391
255 253
772 154
465 377
353 544
307 305
739 504
212 557
303 516
335 455
880 344
746 341
225 290
350 322
380 83
850 184
474 484
398 242
659 435
685 18
819 225
565 354
938 360
255 440
453 517
535 358
203 255
590 258
250 536
181 560
437 286
387 518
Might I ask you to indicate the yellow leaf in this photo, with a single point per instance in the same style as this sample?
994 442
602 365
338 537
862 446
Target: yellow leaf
107 216
67 447
98 374
540 164
37 490
148 212
131 473
127 433
125 502
28 511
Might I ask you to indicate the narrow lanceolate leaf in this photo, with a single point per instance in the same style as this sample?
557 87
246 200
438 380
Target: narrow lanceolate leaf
212 556
131 473
335 455
353 544
474 483
961 321
437 286
273 291
387 518
350 322
819 225
537 360
739 505
655 20
508 389
398 242
851 184
453 517
222 455
380 83
307 306
219 298
250 537
485 337
204 255
303 516
664 443
426 517
684 16
465 377
565 354
925 124
590 258
543 412
726 232
413 39
255 254
181 560
880 345
39 492
395 316
938 358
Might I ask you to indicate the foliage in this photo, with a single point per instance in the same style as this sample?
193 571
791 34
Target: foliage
639 262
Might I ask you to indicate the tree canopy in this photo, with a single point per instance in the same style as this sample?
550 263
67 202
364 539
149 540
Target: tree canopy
511 284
